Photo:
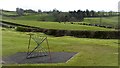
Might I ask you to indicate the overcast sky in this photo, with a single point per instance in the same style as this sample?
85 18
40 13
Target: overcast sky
62 5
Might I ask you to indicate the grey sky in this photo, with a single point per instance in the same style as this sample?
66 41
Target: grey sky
62 5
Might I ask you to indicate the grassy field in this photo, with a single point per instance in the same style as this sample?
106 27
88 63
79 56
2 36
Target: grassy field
112 21
37 17
59 26
91 52
35 20
9 13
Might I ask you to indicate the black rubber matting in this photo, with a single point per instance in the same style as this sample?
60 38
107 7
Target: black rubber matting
56 57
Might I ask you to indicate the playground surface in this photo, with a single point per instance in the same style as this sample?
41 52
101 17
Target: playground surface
56 57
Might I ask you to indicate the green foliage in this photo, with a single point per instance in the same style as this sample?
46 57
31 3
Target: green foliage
80 34
28 29
20 29
96 34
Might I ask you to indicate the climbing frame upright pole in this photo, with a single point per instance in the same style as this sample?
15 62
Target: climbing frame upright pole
49 49
30 35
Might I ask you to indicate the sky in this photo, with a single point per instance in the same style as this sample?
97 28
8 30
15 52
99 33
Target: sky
62 5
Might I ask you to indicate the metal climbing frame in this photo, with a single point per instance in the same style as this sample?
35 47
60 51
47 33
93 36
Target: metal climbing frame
41 51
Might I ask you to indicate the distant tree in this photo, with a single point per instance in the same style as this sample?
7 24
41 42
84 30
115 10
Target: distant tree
84 14
99 13
76 15
110 13
67 17
20 11
92 13
80 15
30 11
87 13
59 17
55 10
39 11
72 19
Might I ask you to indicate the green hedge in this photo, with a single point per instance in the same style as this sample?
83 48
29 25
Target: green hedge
80 34
96 34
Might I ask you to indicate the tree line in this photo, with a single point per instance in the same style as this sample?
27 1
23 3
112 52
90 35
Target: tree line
71 16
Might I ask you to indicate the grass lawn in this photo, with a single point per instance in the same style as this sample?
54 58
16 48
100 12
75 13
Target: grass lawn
91 52
112 21
59 26
37 17
9 13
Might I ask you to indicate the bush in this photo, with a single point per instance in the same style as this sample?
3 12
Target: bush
84 24
96 34
24 29
50 32
108 27
95 25
75 33
80 23
20 29
71 22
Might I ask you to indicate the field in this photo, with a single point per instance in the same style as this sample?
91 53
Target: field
55 25
45 20
9 13
111 21
91 52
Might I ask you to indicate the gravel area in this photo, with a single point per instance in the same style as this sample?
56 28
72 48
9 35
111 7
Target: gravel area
56 57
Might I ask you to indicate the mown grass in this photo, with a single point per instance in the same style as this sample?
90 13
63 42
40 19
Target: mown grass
59 26
9 13
36 20
37 17
111 21
91 52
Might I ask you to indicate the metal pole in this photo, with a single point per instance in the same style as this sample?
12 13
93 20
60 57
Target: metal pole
29 43
100 19
49 50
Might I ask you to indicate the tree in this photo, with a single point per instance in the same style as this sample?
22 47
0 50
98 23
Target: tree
20 11
87 13
39 11
30 11
62 17
110 13
84 14
72 19
80 15
92 13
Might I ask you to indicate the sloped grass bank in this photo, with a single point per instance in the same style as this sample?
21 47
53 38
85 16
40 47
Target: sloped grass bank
75 33
58 26
109 21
